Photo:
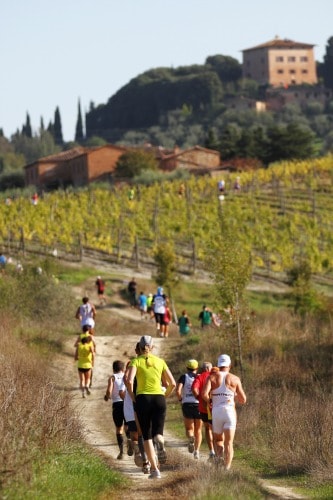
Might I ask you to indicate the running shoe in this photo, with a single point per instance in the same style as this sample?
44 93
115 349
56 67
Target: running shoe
120 456
211 457
219 461
83 395
130 449
88 391
154 474
146 468
191 445
196 455
161 453
138 460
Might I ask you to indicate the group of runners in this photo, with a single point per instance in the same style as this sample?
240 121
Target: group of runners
138 392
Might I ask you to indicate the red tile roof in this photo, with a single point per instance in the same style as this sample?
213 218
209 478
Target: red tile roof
278 43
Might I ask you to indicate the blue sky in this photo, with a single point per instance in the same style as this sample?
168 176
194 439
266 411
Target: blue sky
55 53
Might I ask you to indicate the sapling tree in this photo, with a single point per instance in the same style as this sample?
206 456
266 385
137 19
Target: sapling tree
229 262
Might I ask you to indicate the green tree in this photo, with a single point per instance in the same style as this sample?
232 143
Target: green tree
211 141
306 298
289 142
229 142
227 68
229 263
328 64
165 260
79 137
26 129
133 163
57 128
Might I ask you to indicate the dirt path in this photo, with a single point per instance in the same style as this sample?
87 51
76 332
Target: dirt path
96 417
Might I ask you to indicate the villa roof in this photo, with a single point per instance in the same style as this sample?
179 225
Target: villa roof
279 43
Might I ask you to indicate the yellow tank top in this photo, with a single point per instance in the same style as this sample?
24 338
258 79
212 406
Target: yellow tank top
84 355
149 372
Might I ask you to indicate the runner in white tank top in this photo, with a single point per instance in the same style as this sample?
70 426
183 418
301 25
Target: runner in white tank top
222 389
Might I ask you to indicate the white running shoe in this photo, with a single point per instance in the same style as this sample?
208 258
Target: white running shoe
196 455
154 474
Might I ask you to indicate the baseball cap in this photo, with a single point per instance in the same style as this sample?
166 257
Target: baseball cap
223 360
192 364
146 340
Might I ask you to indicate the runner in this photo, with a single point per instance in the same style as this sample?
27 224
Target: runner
100 285
86 313
205 317
190 407
223 388
115 385
197 386
84 355
142 301
140 457
149 399
159 302
184 324
167 318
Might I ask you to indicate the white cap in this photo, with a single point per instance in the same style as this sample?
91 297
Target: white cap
223 360
146 340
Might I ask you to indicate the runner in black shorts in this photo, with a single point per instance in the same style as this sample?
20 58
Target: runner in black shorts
190 407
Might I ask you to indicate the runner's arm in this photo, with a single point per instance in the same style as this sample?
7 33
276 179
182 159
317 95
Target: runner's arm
170 381
205 394
129 380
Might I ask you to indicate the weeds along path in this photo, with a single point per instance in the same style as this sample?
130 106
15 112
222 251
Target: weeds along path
96 414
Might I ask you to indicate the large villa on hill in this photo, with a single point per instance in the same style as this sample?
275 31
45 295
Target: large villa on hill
280 63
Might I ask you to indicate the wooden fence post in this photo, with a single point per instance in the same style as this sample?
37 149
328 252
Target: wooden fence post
136 253
194 257
22 241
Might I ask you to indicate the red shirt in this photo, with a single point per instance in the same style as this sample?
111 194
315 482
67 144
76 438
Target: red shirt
199 383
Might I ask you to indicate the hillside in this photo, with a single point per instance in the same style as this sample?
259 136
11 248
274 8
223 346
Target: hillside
212 105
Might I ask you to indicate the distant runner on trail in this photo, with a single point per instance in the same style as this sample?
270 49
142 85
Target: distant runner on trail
86 313
85 355
184 324
131 288
158 304
205 317
100 285
223 389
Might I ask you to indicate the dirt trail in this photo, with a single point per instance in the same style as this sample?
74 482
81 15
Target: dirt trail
96 416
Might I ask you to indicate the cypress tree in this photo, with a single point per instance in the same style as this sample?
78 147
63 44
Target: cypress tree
328 64
26 129
58 139
42 127
79 137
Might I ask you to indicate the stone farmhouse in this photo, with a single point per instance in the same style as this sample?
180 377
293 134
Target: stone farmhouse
81 166
77 167
280 63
